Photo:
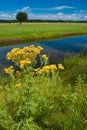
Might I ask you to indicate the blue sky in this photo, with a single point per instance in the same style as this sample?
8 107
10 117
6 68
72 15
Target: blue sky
45 9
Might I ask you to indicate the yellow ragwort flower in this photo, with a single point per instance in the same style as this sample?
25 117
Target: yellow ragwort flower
18 85
47 69
44 57
18 74
17 54
8 69
40 48
24 62
60 66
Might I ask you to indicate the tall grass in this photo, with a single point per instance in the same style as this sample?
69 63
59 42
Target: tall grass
75 65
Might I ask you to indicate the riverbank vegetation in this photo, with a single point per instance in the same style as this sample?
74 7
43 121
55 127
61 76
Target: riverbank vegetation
50 97
16 33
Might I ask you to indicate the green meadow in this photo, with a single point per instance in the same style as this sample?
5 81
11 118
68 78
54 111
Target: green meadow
12 33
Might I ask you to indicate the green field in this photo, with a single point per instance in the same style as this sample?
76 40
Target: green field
39 31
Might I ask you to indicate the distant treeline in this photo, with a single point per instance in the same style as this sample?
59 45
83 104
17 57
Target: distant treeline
47 21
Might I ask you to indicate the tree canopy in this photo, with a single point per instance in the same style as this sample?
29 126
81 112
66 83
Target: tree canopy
21 17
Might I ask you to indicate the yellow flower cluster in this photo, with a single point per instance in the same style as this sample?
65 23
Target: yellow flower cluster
44 57
27 56
14 54
8 69
47 69
24 62
18 54
60 66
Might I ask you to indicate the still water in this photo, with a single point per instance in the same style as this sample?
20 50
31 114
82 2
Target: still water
55 49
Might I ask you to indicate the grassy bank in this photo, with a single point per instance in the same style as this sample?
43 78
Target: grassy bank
43 98
13 33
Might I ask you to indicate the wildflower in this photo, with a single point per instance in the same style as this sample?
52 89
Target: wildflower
47 69
26 48
44 57
39 71
40 48
53 67
18 74
17 54
8 69
85 121
8 56
36 69
32 46
14 50
24 62
60 66
18 85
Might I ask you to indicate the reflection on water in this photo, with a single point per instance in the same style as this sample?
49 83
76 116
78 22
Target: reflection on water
55 49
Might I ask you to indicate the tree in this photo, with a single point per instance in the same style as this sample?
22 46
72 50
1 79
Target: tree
21 17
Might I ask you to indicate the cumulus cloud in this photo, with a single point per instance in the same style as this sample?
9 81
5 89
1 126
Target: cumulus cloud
7 16
49 16
57 16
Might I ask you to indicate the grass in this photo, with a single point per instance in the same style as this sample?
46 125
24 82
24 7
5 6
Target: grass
75 65
11 33
43 103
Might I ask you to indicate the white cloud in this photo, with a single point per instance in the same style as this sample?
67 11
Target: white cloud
54 8
85 16
24 9
58 16
7 15
62 7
